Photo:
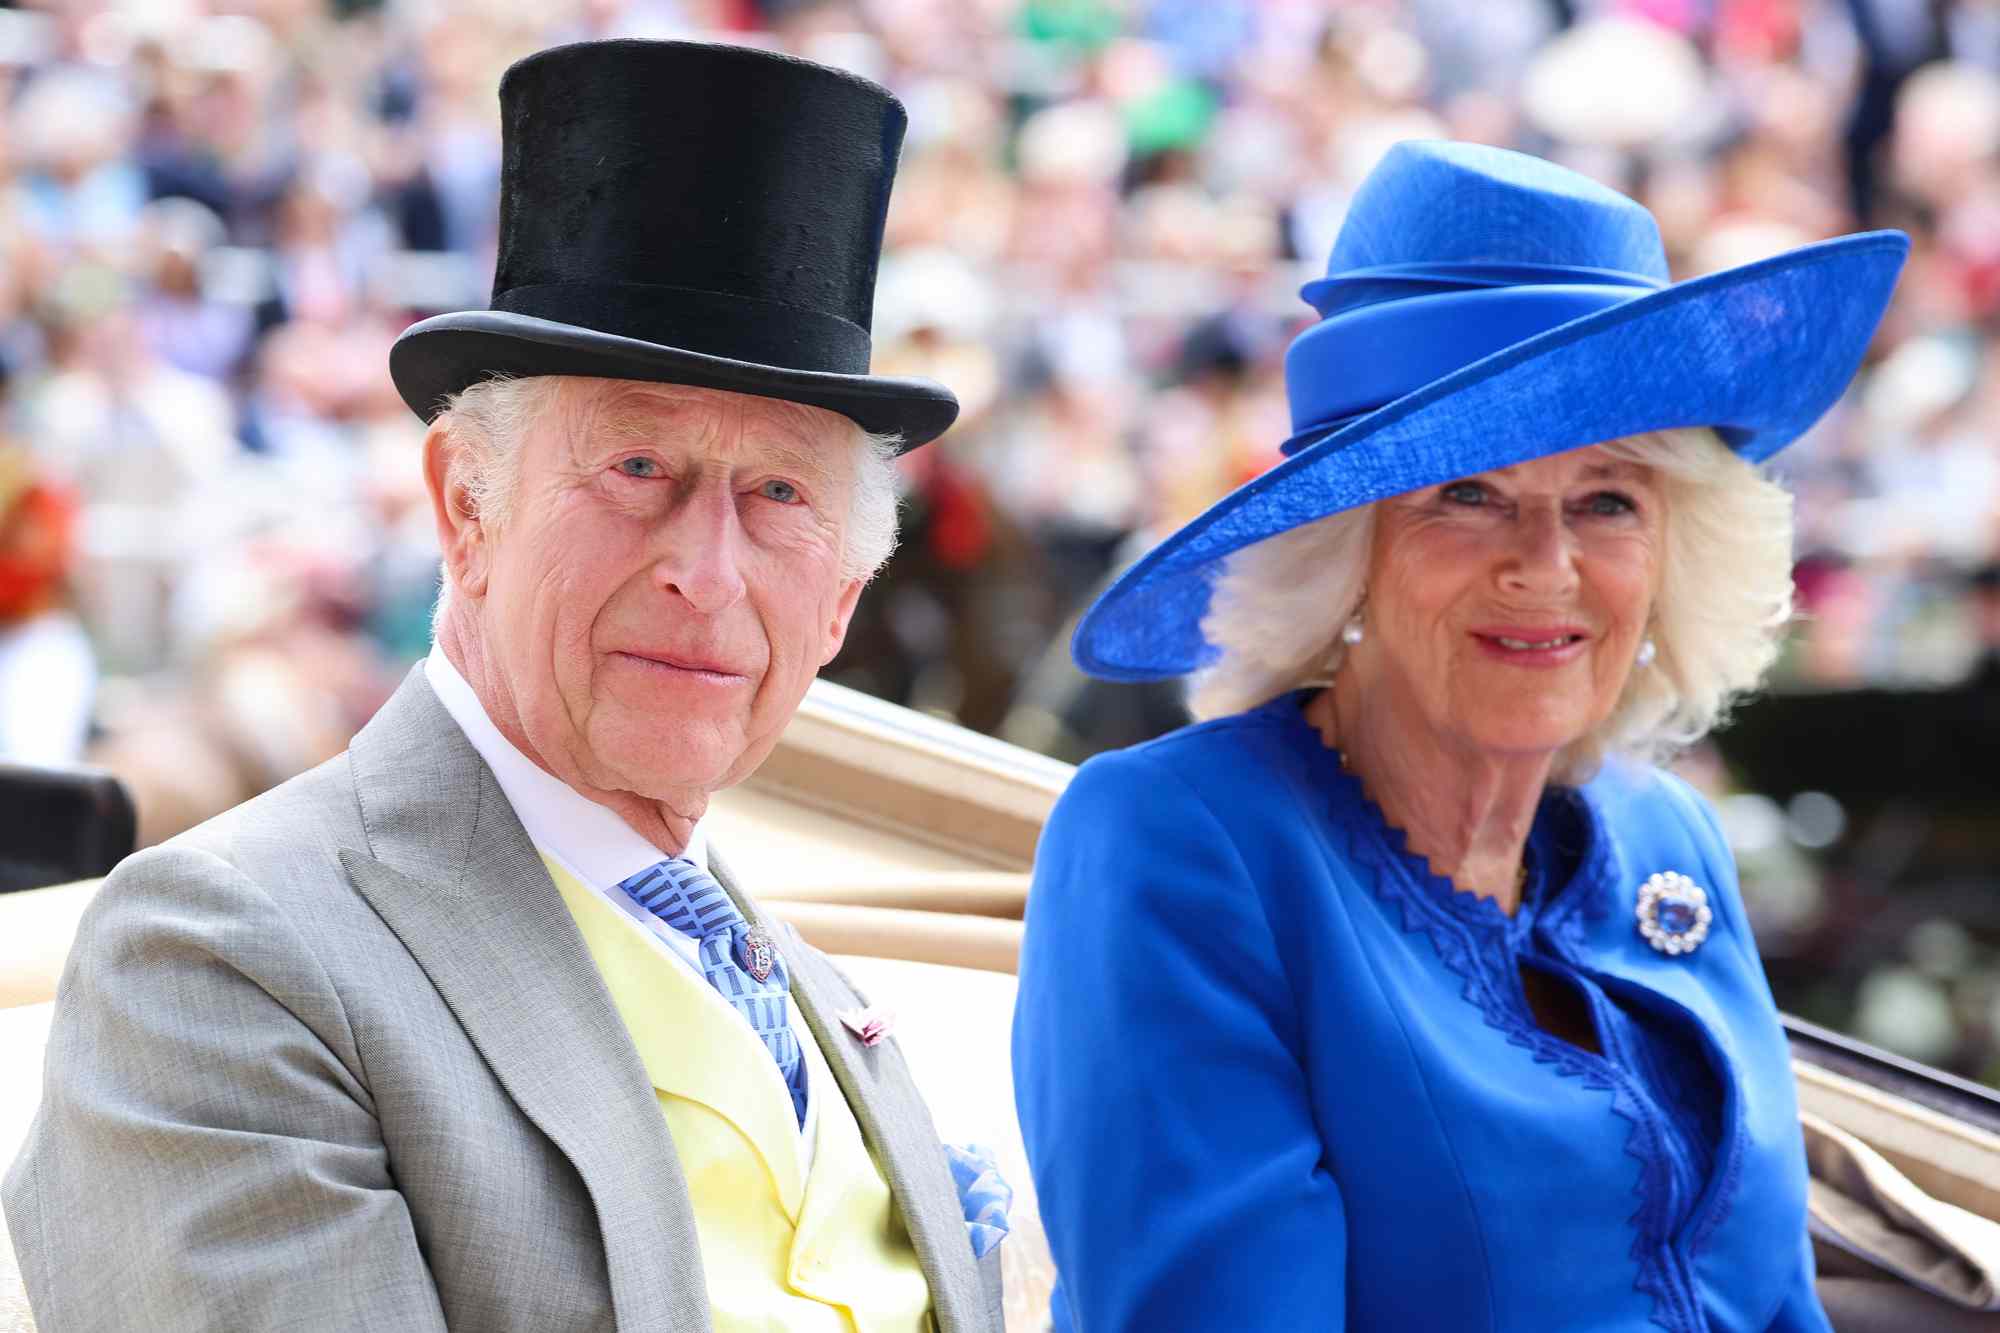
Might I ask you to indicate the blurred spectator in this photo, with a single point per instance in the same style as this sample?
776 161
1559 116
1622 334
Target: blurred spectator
47 672
80 190
183 323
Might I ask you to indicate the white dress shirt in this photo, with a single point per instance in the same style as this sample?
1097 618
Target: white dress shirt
591 842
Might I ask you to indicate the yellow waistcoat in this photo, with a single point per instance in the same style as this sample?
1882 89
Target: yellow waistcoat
782 1253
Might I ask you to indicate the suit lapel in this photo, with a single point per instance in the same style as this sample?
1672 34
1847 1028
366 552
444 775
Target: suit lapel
894 1121
452 872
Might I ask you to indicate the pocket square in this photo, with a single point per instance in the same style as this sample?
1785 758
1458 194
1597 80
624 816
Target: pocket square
983 1194
871 1023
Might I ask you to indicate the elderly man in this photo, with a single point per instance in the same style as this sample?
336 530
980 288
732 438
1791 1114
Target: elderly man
469 1026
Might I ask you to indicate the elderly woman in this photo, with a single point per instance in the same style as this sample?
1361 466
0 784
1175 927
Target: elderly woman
1401 992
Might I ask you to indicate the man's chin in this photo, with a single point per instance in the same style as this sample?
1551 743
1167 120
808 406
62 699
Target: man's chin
666 768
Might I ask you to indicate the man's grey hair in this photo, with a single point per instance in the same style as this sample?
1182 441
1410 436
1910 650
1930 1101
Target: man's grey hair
491 418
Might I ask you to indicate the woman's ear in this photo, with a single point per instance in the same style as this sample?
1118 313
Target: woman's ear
461 529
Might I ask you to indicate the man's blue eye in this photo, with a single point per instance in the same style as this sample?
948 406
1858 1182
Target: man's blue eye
639 467
781 491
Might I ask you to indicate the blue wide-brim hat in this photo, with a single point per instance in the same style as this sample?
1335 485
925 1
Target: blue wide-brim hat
1483 308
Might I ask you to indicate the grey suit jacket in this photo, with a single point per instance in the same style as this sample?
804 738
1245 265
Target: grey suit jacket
339 1059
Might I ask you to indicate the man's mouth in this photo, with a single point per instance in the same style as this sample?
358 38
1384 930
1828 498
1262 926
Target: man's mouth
700 665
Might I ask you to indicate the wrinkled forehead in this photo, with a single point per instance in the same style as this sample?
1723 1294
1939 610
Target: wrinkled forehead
598 414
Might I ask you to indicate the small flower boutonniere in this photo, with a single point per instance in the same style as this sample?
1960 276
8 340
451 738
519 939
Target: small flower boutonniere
871 1023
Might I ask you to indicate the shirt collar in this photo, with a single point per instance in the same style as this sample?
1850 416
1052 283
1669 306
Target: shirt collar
587 837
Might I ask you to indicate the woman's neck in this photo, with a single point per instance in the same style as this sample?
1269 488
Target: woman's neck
1464 811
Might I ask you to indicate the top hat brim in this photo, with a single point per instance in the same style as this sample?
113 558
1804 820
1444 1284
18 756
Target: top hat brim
447 354
1757 353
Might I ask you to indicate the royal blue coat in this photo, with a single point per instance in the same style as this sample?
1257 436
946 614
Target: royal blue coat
1273 1074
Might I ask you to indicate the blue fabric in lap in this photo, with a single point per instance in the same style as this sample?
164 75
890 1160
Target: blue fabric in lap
1483 308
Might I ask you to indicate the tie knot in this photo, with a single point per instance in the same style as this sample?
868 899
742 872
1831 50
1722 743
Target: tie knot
685 896
740 960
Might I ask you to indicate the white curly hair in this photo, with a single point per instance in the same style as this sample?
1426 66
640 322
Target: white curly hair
1724 600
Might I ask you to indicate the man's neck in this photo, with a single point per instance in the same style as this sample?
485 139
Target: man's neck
667 823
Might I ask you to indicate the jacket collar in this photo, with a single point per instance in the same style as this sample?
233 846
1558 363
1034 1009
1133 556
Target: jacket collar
454 875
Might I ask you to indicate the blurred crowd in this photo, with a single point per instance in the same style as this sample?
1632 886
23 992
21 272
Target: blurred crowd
216 215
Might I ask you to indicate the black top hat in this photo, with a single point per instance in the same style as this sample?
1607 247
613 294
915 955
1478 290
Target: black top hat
686 213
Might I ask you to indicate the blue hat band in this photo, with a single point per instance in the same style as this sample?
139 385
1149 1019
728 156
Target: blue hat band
1351 289
1361 359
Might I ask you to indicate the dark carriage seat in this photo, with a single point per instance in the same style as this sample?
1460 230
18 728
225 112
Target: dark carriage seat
61 824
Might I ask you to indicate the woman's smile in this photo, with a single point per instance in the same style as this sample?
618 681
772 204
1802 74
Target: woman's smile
1527 646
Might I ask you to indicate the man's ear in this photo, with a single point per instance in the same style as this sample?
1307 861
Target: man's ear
843 613
461 531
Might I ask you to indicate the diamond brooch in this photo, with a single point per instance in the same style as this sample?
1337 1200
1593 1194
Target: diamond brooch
1673 913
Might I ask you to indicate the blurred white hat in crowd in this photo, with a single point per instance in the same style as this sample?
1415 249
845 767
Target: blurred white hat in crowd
1081 142
1947 124
934 288
26 38
845 48
72 117
1391 62
1924 376
182 226
225 43
1616 82
950 111
1364 140
1735 241
1255 148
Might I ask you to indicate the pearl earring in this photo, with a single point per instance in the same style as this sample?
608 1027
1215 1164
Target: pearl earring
1352 633
1647 652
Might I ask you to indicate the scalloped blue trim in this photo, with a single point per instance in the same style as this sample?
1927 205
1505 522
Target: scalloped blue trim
1565 924
1453 919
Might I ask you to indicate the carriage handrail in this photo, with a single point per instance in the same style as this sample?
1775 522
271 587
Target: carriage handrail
1946 1093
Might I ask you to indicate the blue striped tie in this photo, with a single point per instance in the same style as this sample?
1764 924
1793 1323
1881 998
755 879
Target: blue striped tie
687 898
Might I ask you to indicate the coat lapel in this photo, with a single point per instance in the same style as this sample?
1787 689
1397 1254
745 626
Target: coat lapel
452 872
894 1121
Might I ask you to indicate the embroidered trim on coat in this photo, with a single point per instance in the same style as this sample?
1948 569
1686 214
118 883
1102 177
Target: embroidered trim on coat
1446 914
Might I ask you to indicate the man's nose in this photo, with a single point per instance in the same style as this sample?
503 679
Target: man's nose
699 559
1541 561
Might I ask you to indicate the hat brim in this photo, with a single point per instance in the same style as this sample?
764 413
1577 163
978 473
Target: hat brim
447 354
1758 353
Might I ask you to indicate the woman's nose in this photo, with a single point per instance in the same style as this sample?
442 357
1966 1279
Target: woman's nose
1541 560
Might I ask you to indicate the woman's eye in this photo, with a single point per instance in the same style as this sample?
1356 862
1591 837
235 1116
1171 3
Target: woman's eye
1464 493
782 491
639 467
1609 504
